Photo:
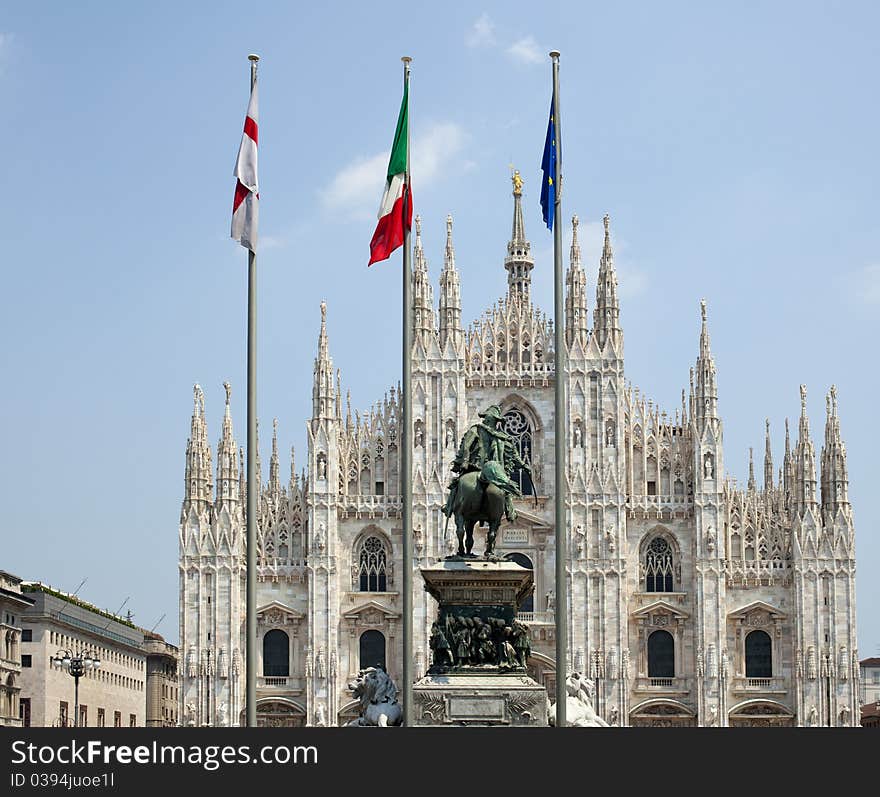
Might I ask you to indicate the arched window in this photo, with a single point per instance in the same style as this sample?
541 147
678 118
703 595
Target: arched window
661 655
372 563
372 649
658 566
518 427
276 654
528 604
759 655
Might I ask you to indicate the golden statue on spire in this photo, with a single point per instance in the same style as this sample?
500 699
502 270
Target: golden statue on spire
517 182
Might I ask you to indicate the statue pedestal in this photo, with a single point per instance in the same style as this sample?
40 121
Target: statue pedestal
482 679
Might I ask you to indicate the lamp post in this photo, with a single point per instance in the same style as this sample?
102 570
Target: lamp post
76 664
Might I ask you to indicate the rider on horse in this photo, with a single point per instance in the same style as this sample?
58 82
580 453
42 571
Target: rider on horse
491 451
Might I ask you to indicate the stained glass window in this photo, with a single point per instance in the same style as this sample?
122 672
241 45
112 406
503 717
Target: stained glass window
658 566
517 426
371 565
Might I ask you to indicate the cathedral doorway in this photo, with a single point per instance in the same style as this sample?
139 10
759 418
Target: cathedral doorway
761 714
662 714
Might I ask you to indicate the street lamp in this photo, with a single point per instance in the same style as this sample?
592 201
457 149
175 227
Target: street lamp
77 664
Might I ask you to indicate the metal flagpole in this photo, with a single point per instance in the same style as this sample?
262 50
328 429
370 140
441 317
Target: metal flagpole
252 489
406 432
561 478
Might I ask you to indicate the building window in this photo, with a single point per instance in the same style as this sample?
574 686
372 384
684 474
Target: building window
372 649
24 712
759 655
517 426
276 654
372 563
661 655
101 722
658 566
132 721
62 714
117 719
27 635
83 716
528 604
27 660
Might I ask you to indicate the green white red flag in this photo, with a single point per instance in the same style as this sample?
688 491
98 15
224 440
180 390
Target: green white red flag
395 212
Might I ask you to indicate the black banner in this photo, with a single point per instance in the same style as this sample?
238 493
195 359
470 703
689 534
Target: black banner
401 760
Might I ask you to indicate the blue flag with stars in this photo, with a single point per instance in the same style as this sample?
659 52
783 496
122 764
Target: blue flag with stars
548 165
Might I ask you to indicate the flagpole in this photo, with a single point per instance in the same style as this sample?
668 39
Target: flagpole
406 435
252 488
561 433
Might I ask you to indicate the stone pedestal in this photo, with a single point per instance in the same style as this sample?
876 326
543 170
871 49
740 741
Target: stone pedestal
484 682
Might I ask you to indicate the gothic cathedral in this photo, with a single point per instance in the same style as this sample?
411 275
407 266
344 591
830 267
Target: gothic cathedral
691 601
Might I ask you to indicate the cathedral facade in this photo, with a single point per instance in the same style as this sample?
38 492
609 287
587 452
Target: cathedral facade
691 601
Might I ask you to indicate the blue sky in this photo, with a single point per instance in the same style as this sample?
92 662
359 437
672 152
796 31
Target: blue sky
734 147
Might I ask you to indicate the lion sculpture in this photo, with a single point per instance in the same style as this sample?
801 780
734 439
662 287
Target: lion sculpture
579 711
377 696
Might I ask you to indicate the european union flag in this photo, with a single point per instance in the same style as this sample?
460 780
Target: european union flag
548 165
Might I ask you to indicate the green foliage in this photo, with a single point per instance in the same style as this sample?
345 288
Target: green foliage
35 587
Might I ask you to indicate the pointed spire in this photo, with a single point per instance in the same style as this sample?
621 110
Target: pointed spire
706 390
198 479
606 320
323 393
575 292
752 486
274 464
348 410
450 294
519 262
768 458
804 461
292 469
423 294
787 468
242 481
835 477
259 464
227 461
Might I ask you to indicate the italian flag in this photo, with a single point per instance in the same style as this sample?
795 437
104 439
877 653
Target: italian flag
395 212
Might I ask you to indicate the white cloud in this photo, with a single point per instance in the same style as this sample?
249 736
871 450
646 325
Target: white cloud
357 185
357 188
272 242
482 32
5 46
868 284
526 51
433 149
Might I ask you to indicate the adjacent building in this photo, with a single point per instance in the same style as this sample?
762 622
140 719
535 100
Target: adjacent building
112 695
14 712
692 600
870 680
162 682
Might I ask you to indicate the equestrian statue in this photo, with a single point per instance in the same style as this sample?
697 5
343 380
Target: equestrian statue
483 491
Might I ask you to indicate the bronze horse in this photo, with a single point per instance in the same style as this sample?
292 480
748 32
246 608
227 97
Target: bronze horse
474 504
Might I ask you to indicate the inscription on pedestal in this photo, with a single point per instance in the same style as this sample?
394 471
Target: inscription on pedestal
477 708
